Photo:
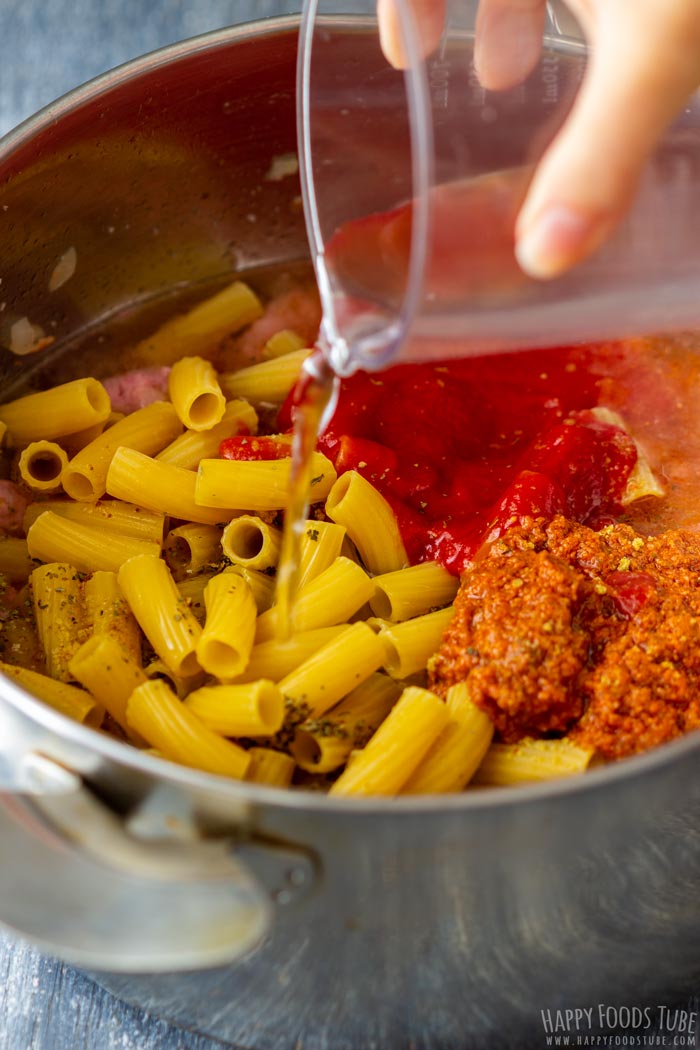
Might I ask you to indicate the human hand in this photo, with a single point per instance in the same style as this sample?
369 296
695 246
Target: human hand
644 63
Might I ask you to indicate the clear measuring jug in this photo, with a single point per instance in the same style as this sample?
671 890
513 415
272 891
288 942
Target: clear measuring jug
412 182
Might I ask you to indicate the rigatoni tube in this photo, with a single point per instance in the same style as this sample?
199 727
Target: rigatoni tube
251 542
195 393
321 544
52 413
156 714
458 751
413 591
269 381
276 658
159 487
201 329
322 745
111 514
163 614
370 522
257 484
270 767
191 547
330 598
397 748
192 446
225 642
41 465
147 430
108 612
109 673
261 585
87 547
70 701
256 709
336 669
59 614
531 760
410 644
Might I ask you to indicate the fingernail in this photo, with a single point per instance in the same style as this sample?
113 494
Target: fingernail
554 242
391 34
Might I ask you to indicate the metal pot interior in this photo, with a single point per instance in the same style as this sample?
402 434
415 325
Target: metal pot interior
158 175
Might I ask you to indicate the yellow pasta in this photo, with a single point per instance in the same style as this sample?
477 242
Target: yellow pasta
269 381
87 547
41 464
52 413
334 670
277 658
163 614
283 342
256 709
180 686
195 393
73 443
328 599
192 446
109 673
323 745
148 430
251 542
159 487
413 591
257 484
59 614
223 648
156 714
410 644
190 548
270 767
191 590
531 760
69 700
321 544
458 751
397 748
15 562
370 523
108 613
261 585
201 329
110 514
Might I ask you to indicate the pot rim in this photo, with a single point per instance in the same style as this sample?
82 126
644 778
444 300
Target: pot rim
241 791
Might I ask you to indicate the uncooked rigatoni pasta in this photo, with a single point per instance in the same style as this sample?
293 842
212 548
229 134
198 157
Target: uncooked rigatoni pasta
144 591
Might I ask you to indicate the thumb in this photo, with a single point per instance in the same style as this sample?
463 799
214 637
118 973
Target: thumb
637 80
429 22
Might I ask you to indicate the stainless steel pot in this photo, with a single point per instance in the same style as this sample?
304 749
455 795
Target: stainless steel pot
429 922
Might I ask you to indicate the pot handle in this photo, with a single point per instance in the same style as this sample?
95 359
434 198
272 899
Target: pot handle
147 895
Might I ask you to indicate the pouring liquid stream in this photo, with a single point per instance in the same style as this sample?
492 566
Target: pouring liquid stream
314 396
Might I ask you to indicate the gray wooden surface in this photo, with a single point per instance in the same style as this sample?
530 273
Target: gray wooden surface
49 47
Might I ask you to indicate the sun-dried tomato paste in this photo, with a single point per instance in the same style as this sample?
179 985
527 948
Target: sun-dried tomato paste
568 620
560 629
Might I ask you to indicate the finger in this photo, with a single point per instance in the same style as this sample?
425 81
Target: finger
639 76
429 22
508 41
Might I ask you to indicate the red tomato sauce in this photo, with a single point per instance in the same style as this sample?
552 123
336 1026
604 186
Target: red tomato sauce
463 450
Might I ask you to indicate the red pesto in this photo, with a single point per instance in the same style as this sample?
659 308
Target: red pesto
463 450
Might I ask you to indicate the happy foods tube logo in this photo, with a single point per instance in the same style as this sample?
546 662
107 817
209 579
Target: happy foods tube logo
602 1025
